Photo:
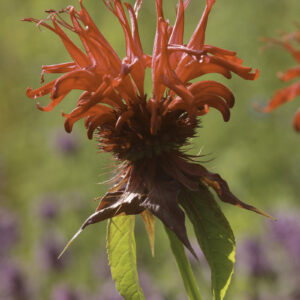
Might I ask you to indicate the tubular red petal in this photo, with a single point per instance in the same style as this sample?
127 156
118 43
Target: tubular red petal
177 34
52 104
78 56
58 68
216 102
297 121
212 87
197 39
39 23
242 71
137 7
41 91
290 74
91 113
95 33
200 104
75 80
218 51
123 118
284 95
196 69
109 54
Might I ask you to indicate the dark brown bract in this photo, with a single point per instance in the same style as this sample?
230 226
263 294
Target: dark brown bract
145 134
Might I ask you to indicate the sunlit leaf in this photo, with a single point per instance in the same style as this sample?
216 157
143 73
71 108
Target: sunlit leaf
184 266
214 235
121 249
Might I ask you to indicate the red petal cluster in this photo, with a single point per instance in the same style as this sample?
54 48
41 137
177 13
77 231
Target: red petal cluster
288 93
111 86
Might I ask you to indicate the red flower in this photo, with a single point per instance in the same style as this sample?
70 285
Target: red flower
289 93
146 134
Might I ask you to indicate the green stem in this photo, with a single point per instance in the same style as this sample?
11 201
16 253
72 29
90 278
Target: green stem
184 266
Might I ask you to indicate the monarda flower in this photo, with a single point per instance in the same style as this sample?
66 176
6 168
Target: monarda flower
291 43
144 133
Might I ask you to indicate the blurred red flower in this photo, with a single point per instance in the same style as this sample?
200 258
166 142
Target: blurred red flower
288 41
144 133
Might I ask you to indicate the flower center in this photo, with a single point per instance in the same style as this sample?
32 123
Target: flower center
133 139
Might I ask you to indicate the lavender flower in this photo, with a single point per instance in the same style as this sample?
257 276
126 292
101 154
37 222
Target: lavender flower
148 287
13 284
63 292
65 143
9 231
255 259
48 208
2 175
107 292
49 251
286 231
101 268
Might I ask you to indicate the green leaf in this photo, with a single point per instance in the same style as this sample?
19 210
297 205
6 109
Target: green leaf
121 249
214 236
184 266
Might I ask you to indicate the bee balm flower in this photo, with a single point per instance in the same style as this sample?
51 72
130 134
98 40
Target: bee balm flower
145 134
288 93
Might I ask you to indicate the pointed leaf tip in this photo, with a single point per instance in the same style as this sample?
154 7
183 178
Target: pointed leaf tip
70 242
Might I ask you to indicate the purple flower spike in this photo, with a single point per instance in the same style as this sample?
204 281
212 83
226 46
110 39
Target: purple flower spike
49 251
63 292
12 283
287 232
65 143
2 174
48 208
255 258
9 231
108 292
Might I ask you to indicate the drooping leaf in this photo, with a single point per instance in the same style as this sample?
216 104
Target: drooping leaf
184 266
214 236
149 221
121 249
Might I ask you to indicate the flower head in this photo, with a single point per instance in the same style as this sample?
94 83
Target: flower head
288 42
144 133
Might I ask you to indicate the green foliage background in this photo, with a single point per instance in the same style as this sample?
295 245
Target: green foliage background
257 154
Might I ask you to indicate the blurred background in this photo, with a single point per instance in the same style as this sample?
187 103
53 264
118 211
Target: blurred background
48 179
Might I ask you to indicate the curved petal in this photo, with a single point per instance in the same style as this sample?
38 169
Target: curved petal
290 74
52 104
75 80
58 68
284 95
41 91
242 71
93 116
212 87
197 39
200 102
197 68
77 55
297 121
